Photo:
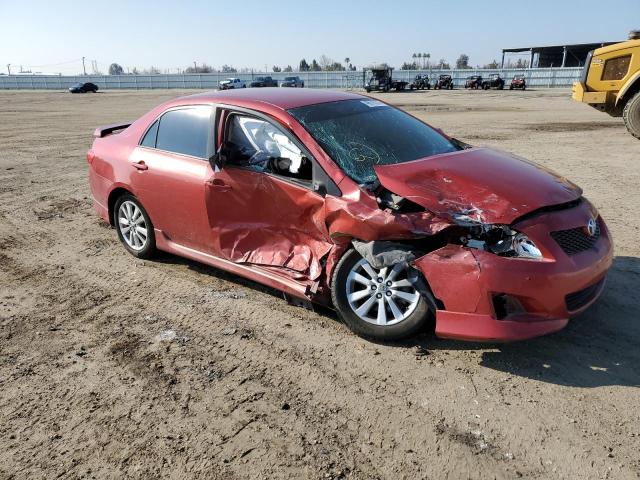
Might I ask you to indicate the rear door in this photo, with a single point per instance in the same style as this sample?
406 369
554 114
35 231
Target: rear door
171 167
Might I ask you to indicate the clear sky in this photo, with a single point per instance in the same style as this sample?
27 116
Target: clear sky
45 34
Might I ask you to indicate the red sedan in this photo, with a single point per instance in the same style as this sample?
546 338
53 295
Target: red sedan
340 199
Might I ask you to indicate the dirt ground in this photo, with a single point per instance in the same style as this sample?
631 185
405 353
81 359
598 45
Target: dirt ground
112 367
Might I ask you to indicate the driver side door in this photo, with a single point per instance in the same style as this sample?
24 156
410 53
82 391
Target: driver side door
261 206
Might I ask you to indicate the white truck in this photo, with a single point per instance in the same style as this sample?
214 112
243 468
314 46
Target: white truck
232 83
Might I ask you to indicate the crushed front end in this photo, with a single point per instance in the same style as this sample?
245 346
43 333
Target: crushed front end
523 282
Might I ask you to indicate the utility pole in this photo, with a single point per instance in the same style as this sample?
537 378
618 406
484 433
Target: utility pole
83 67
195 67
9 68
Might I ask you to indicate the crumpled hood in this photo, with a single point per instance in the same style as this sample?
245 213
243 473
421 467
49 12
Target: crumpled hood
477 185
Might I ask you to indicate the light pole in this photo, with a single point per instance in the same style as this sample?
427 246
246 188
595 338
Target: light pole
9 68
84 69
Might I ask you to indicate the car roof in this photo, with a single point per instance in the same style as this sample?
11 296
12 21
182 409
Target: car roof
283 98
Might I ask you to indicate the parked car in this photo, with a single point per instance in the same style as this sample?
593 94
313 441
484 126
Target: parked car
342 200
83 87
474 81
444 82
232 83
421 82
263 82
518 81
494 81
295 82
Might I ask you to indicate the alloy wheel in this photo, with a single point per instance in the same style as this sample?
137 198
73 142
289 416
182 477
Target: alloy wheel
132 225
381 296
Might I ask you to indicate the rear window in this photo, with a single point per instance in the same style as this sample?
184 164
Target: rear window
359 134
186 131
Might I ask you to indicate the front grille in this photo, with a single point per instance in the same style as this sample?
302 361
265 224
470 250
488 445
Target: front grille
576 240
579 299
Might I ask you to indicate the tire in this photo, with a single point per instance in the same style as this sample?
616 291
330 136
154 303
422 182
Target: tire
409 318
136 244
510 87
631 115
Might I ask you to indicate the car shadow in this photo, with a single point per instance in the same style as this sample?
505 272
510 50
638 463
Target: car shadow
597 348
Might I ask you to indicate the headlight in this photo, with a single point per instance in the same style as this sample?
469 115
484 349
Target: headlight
524 247
501 240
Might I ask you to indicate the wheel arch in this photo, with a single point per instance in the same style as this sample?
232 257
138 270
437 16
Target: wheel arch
116 193
425 289
630 88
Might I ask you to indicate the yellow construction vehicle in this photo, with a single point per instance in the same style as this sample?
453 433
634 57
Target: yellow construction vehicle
611 81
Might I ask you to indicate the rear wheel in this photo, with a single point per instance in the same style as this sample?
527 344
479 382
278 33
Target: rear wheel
134 227
631 115
382 304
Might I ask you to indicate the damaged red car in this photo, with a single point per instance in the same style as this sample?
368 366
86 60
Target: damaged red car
342 200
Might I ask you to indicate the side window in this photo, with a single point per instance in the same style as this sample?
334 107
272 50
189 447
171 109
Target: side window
149 139
616 68
259 145
186 131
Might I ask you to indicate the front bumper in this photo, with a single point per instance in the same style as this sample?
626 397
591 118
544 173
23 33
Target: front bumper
580 93
467 282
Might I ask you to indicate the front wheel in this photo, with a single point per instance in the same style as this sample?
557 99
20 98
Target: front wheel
631 115
134 227
382 304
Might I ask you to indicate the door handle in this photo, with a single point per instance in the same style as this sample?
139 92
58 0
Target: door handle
218 184
140 165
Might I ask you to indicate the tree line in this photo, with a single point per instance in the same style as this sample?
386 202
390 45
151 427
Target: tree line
420 61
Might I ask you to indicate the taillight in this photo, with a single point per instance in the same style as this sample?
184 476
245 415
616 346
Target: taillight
90 156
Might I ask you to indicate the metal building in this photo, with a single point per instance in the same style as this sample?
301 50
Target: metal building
556 55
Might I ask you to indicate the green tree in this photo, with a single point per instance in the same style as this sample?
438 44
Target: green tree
409 66
463 61
442 63
304 66
115 69
277 69
315 67
288 68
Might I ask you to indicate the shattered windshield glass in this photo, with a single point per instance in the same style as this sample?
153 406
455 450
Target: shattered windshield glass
358 134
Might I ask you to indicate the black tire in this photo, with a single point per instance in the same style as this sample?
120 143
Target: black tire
417 321
150 247
631 115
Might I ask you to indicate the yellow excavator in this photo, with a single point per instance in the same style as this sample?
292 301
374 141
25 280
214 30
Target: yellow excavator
611 81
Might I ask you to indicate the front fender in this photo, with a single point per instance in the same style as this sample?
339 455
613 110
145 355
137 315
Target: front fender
635 79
